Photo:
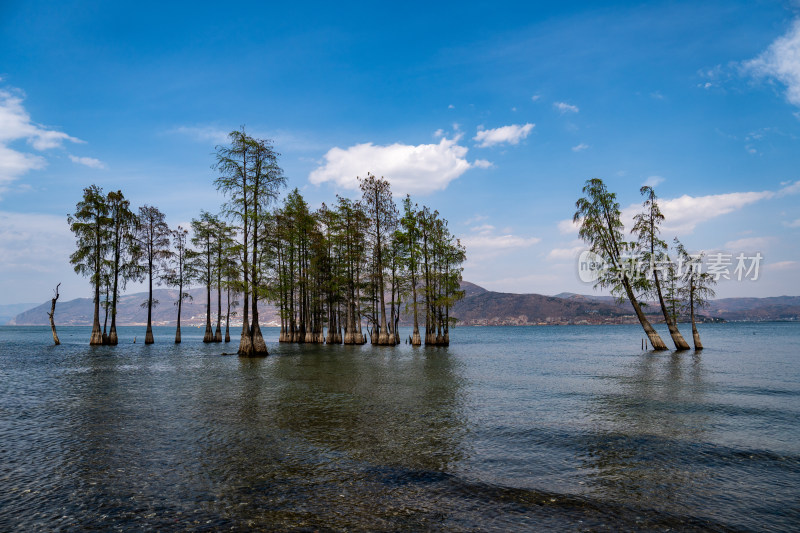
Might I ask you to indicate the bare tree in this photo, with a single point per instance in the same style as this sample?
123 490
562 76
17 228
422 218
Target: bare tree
52 313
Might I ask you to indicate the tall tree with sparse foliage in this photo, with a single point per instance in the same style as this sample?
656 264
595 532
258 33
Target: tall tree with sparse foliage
202 260
91 226
123 251
598 214
696 287
153 237
251 179
654 253
179 273
376 196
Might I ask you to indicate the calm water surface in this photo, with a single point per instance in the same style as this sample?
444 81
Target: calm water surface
530 428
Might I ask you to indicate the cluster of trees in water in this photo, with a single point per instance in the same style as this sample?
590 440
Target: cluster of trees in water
662 277
338 266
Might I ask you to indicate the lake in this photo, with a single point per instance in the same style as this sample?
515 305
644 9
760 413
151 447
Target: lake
510 428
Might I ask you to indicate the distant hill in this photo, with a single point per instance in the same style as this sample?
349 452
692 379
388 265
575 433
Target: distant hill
729 309
480 307
9 311
79 312
489 308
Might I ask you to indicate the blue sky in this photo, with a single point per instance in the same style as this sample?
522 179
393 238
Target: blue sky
493 113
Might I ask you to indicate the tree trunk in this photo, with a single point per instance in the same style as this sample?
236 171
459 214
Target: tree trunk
677 338
208 336
652 334
698 346
258 346
51 314
148 337
113 340
105 320
218 332
228 318
180 302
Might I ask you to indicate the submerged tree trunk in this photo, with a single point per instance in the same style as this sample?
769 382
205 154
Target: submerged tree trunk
695 334
105 319
180 303
97 335
228 317
259 347
208 336
148 337
652 334
218 332
51 314
677 338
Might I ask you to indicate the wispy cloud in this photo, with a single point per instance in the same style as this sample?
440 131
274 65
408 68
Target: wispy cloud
749 244
511 134
567 226
485 242
781 265
16 124
653 181
793 224
203 133
793 188
781 62
33 242
87 161
565 254
498 242
580 148
683 214
564 107
422 168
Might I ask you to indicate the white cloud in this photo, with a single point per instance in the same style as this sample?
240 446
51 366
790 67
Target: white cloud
203 133
653 181
781 61
564 107
87 161
781 265
476 218
438 133
749 244
794 188
511 134
565 227
683 214
483 229
792 224
536 97
580 148
562 254
482 163
33 242
16 124
423 168
451 106
486 241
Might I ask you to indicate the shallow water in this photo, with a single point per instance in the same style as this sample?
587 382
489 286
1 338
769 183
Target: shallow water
566 428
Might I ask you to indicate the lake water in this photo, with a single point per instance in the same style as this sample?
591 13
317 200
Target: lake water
528 428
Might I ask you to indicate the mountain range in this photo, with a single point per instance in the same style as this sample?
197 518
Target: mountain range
479 307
